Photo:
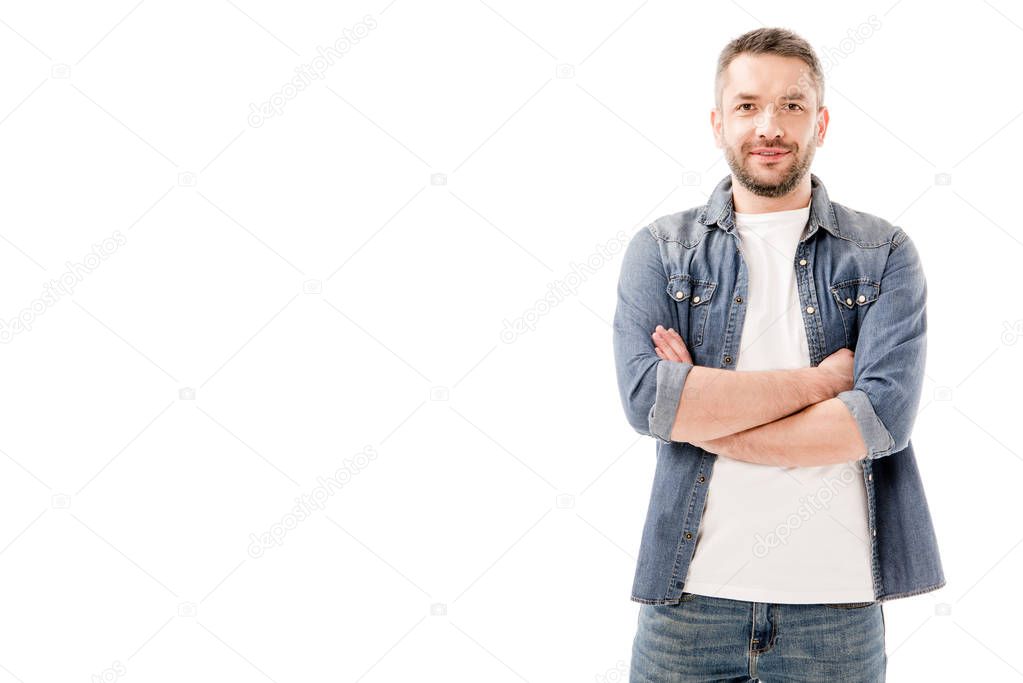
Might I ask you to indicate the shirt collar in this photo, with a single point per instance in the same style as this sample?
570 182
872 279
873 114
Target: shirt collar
720 208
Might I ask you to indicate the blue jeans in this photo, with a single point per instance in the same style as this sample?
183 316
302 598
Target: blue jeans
705 638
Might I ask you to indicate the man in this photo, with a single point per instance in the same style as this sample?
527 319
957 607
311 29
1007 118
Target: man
774 342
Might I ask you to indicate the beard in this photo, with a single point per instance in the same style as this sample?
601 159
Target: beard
761 181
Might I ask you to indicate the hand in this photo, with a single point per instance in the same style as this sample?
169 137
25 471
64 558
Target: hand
668 345
838 367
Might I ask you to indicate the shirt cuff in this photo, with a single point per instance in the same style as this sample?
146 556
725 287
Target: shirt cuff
671 377
879 441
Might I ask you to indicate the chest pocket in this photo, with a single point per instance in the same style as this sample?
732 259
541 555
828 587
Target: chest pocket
853 298
692 296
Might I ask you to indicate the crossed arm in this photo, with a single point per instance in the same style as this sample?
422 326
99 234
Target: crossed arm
816 428
800 417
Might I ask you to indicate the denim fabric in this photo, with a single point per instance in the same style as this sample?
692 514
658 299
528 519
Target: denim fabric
861 286
705 638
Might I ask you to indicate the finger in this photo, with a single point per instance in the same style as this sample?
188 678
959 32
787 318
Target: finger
675 335
661 345
661 337
675 343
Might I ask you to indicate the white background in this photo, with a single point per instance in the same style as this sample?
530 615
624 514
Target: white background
336 281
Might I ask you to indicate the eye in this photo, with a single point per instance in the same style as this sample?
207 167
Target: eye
798 107
745 104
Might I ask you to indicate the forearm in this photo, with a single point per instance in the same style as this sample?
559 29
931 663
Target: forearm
716 403
822 434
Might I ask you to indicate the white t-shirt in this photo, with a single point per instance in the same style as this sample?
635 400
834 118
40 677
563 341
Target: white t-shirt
780 534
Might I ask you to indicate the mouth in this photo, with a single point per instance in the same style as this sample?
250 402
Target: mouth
769 156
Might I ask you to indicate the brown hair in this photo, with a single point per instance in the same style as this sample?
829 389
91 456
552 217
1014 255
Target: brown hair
773 41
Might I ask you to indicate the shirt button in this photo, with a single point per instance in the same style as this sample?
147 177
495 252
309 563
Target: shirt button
870 477
701 479
696 299
679 295
809 309
738 299
861 298
689 535
802 261
728 359
849 301
875 532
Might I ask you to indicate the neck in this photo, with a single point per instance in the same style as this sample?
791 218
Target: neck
744 201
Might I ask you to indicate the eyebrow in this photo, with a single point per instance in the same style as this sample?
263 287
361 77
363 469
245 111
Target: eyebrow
749 96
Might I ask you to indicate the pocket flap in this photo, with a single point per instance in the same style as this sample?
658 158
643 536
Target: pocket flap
856 292
683 287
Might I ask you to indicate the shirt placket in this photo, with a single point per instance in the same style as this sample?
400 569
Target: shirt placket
814 324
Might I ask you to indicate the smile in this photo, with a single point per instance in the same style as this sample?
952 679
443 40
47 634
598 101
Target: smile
770 156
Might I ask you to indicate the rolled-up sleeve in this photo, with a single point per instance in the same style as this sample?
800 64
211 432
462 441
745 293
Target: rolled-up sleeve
890 354
650 388
671 377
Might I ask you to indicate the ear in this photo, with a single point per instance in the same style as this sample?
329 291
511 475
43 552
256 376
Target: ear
823 116
716 124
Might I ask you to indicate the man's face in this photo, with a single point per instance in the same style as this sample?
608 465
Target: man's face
769 103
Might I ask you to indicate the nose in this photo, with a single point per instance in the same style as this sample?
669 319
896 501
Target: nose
767 123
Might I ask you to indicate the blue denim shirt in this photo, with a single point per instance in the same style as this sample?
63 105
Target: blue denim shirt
861 286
